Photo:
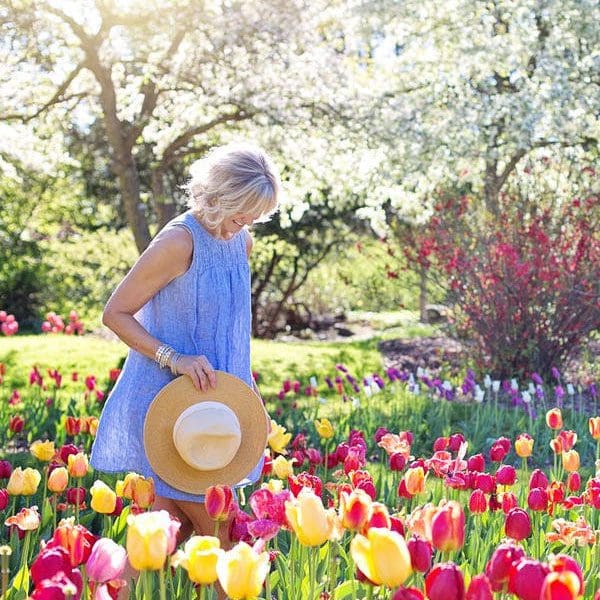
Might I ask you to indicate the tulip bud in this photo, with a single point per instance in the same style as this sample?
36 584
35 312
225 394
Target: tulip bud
312 524
420 553
526 579
58 480
480 589
445 582
78 465
508 502
355 509
411 593
201 554
75 496
4 499
477 502
107 561
498 452
485 482
506 475
574 481
524 445
537 499
397 461
500 564
476 463
151 536
554 419
594 425
415 481
5 469
538 479
448 527
517 524
570 460
219 502
282 467
104 500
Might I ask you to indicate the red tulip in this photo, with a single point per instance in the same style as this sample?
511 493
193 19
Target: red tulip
480 589
508 501
448 527
72 426
476 463
497 452
506 475
441 443
420 553
355 509
5 469
219 502
267 466
562 562
48 563
456 439
56 587
16 423
477 502
66 450
574 481
499 566
75 496
397 525
408 594
554 418
556 492
485 482
526 579
537 499
445 582
3 499
75 539
538 479
397 461
379 517
517 524
560 586
267 505
302 480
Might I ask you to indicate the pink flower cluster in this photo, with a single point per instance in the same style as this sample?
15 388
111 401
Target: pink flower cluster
54 324
8 323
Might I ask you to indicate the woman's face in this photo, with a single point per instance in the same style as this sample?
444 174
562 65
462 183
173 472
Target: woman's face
232 225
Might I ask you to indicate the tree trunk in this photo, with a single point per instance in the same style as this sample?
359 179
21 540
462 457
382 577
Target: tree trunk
423 295
165 208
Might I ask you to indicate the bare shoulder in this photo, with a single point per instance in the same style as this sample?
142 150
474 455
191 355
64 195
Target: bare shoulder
171 250
249 242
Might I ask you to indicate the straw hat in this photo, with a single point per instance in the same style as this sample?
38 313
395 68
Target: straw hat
195 439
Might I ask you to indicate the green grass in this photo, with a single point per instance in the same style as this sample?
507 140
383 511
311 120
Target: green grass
92 355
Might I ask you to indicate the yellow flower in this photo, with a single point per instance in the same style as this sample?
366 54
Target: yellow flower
278 438
524 445
242 571
23 482
137 488
324 428
570 461
310 521
283 468
382 555
273 485
43 451
104 500
78 465
93 426
151 536
58 480
415 481
200 556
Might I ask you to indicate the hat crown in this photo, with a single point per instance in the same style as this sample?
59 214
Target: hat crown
207 435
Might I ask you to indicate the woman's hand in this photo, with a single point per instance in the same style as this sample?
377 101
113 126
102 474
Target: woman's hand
198 369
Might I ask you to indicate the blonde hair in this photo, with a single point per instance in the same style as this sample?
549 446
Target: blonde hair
234 178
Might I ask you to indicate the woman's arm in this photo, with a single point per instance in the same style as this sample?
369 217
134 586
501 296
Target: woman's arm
168 256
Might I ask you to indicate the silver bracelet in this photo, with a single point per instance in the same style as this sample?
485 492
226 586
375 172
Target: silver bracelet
173 362
163 354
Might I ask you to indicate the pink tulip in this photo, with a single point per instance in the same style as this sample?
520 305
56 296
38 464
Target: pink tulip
107 561
480 589
526 579
445 582
518 524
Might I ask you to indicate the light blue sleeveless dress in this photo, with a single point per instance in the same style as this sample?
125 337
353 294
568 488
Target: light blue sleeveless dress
204 311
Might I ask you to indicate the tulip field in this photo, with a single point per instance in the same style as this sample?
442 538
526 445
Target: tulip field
390 485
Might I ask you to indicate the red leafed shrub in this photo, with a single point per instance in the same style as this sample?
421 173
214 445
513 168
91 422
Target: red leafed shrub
526 284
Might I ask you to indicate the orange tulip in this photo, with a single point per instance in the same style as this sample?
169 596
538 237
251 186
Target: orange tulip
570 460
420 520
58 480
568 439
78 465
355 509
594 424
524 445
72 425
554 418
415 481
219 502
448 527
137 488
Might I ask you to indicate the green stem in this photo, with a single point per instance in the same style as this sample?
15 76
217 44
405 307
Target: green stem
147 575
311 571
161 583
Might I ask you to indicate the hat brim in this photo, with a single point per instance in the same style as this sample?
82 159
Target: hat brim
180 394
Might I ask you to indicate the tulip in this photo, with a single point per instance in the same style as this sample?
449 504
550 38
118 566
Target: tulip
78 465
538 479
537 499
151 536
104 500
445 582
567 438
75 539
379 517
480 588
448 527
524 445
421 553
411 593
5 469
594 425
560 586
312 524
23 482
305 480
506 475
242 571
49 562
570 461
485 482
556 492
282 467
517 524
574 481
500 564
16 424
58 480
477 502
72 426
66 450
419 521
527 578
278 438
561 563
59 586
27 519
415 481
219 502
508 501
200 556
4 499
397 461
554 419
75 496
476 463
383 556
43 451
324 429
355 509
498 452
106 561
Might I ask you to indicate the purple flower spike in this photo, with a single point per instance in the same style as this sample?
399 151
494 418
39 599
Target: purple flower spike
341 368
555 373
329 382
537 379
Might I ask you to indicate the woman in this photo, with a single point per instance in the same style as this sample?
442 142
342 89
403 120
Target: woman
184 309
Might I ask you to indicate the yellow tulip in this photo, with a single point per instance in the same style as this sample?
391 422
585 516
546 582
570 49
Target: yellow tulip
278 438
310 521
242 571
58 480
524 445
200 556
23 482
324 428
43 451
415 481
137 488
104 500
282 467
78 465
150 538
124 487
570 461
94 426
273 485
382 555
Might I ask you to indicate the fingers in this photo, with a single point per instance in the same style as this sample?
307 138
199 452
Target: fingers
209 372
203 375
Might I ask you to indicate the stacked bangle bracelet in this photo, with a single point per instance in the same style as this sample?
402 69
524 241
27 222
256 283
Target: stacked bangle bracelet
166 356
